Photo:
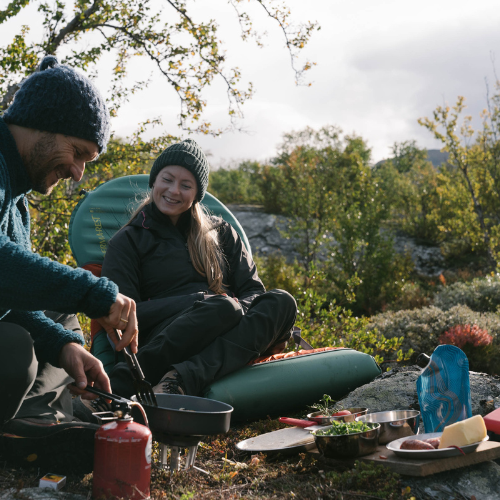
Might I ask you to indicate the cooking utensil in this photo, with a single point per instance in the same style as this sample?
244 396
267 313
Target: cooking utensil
143 389
179 415
347 445
305 424
394 446
283 441
394 424
324 420
187 415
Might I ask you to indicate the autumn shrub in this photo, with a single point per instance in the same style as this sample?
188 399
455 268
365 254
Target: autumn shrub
459 335
477 345
422 328
481 294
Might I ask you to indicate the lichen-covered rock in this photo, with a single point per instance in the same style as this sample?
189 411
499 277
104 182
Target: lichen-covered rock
481 481
397 389
392 390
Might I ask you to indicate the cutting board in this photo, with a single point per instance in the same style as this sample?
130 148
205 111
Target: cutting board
485 451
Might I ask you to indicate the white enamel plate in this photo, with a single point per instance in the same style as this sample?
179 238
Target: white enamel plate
394 446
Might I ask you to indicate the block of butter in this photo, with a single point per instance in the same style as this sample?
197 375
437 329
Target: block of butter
471 430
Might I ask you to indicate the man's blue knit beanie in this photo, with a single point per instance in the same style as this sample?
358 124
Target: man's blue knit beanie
60 100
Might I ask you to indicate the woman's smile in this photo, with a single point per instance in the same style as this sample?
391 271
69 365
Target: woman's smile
174 191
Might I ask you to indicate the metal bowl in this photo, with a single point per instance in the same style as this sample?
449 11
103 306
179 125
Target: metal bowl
395 424
348 445
321 419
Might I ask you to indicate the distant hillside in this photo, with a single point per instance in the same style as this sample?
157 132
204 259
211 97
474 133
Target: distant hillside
435 156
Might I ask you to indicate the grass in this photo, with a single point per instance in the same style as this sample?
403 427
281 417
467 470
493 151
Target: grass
234 475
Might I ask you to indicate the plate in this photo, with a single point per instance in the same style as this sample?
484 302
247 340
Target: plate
394 446
288 440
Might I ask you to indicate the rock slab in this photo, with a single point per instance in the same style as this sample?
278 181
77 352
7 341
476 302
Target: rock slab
397 389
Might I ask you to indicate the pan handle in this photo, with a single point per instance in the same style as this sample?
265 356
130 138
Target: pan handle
296 421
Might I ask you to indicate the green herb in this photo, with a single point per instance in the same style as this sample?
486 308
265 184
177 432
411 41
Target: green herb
343 428
326 406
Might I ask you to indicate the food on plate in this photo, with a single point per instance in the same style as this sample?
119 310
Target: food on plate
343 428
471 430
416 444
434 442
341 412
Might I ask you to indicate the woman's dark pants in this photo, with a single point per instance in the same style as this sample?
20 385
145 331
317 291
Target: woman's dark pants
30 387
210 340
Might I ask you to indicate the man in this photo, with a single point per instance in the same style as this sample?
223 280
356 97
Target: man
57 122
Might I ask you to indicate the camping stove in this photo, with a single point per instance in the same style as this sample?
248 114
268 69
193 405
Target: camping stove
181 422
175 444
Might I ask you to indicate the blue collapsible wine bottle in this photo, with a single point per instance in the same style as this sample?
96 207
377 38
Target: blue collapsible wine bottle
443 389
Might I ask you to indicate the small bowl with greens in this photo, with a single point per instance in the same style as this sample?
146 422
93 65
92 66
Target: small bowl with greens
347 439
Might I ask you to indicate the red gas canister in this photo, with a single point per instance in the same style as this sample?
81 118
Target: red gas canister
122 460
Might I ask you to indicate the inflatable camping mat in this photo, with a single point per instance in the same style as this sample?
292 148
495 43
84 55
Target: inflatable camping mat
107 208
278 388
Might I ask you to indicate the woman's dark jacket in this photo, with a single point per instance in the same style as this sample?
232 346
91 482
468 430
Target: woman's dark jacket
149 261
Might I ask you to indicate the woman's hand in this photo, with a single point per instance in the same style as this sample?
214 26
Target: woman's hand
234 298
122 317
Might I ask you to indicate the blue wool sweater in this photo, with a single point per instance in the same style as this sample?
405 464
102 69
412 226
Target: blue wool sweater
30 283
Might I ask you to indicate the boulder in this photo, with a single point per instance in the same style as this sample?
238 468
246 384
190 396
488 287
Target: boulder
397 389
481 481
265 234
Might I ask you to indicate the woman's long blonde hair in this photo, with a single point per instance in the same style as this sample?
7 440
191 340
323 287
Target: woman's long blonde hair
202 242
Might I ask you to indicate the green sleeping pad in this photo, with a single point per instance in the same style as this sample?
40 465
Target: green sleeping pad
103 211
280 387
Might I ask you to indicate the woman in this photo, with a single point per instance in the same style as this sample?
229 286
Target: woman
202 310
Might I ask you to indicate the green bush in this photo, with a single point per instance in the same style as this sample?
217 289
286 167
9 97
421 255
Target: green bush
411 296
482 295
237 185
276 272
421 328
325 323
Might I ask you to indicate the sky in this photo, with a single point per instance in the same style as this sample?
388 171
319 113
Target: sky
380 65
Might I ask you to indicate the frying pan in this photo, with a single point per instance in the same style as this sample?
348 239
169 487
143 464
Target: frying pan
180 415
187 415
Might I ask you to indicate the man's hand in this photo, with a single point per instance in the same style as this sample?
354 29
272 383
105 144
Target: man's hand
84 368
122 317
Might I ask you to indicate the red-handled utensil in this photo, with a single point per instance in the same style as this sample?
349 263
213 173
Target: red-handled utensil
297 422
307 425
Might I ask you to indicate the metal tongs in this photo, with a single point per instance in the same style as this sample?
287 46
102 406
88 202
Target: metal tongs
118 404
144 390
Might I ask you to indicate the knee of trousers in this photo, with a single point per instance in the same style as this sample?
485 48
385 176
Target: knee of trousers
228 310
18 362
285 302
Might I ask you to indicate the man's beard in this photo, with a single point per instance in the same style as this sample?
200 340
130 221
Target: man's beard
38 162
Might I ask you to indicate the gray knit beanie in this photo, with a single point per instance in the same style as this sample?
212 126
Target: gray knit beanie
60 100
185 154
